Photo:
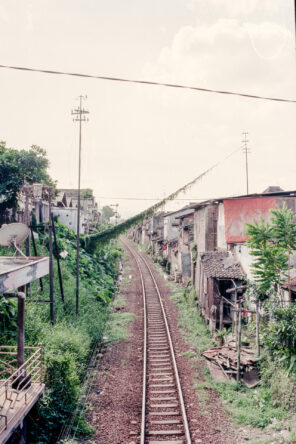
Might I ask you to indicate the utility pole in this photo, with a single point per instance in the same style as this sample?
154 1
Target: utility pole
80 116
246 151
116 212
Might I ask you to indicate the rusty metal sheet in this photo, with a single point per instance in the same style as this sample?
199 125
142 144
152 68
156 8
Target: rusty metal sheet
238 212
18 271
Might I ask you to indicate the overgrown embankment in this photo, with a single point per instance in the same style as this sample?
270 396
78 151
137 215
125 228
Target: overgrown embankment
68 344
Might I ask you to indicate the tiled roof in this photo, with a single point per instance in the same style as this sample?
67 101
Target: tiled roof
221 264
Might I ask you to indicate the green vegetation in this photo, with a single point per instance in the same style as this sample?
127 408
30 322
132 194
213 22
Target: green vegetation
107 213
18 166
257 407
96 241
86 193
272 244
68 345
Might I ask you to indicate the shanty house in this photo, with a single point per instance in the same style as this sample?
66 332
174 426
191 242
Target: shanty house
171 231
186 246
220 237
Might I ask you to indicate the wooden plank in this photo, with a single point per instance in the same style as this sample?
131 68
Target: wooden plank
16 272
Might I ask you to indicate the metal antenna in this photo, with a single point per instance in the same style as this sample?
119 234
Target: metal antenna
116 212
80 117
246 151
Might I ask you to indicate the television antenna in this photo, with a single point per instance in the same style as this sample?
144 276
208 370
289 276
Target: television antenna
13 235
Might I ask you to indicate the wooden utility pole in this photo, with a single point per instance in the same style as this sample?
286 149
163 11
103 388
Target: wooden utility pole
239 340
80 117
58 260
246 151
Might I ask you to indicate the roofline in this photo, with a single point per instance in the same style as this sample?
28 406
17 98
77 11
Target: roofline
291 193
186 215
187 207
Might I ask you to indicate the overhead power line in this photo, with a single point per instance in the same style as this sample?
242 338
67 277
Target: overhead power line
149 198
150 83
104 236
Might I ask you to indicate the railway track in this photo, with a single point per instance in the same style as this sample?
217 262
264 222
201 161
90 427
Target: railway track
164 419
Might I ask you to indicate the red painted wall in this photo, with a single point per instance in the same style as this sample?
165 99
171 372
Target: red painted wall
238 212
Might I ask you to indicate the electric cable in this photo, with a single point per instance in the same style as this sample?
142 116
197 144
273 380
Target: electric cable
150 83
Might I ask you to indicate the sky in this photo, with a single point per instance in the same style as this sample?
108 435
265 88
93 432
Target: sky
144 142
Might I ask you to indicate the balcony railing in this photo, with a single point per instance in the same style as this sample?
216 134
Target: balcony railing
18 386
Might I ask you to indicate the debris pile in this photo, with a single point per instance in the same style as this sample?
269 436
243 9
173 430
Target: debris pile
223 363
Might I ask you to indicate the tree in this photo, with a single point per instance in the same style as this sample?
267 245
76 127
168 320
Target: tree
272 244
86 193
18 167
107 212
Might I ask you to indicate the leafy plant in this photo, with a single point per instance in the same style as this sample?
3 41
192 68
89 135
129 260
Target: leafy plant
279 334
8 312
272 244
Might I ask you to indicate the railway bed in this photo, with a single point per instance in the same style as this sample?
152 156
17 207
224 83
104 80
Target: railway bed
164 418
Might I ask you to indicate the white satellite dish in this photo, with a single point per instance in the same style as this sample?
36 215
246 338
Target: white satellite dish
13 234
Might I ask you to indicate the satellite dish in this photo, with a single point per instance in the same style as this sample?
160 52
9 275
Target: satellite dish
13 234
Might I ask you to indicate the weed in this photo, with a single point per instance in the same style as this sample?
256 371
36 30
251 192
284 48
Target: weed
117 326
68 345
255 407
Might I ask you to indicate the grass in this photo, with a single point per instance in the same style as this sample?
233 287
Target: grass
117 327
253 407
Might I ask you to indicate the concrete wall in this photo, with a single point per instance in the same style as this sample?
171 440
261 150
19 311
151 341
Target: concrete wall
171 232
68 217
200 229
205 228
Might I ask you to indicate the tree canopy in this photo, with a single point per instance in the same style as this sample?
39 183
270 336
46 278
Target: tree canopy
18 167
107 212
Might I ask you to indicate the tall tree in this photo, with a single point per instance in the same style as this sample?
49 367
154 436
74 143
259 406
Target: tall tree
18 167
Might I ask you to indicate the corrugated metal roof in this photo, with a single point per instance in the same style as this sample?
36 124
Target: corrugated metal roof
221 264
291 193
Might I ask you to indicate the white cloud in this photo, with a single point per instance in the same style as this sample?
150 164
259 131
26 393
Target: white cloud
229 55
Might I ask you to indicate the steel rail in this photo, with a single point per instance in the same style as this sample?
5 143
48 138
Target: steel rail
144 390
177 378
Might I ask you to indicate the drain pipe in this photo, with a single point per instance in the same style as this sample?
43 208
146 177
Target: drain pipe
21 297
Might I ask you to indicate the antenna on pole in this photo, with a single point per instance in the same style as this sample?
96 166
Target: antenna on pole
246 151
79 116
116 212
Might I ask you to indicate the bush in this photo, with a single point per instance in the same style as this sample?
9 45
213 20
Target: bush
68 345
279 336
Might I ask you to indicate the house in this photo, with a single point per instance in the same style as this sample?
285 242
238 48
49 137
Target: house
68 217
186 246
67 203
171 232
222 257
157 233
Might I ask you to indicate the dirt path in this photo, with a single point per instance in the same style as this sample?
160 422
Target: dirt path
116 397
